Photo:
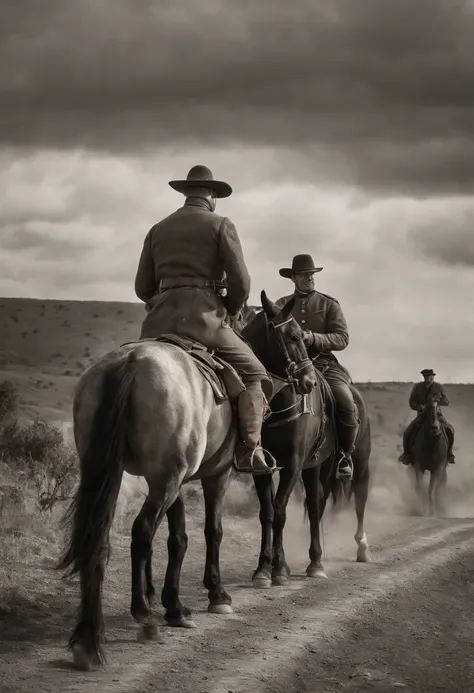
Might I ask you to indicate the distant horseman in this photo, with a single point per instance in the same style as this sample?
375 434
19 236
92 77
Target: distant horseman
420 395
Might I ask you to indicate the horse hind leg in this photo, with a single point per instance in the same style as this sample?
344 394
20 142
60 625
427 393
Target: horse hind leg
176 614
361 493
157 503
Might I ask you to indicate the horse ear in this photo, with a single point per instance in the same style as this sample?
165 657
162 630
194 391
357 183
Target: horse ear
271 310
287 308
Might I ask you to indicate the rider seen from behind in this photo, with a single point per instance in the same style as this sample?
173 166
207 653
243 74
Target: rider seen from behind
420 396
185 259
326 331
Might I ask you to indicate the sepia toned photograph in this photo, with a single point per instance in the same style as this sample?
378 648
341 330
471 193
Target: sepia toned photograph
236 346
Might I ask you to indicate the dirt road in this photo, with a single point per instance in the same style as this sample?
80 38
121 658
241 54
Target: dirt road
403 621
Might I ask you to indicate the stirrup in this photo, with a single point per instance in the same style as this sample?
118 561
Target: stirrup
250 468
349 466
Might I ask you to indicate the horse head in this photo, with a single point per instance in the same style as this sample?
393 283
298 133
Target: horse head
285 345
432 417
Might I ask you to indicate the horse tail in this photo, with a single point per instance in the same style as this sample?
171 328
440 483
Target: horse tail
92 510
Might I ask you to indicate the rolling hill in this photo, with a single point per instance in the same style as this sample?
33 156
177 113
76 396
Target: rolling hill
45 345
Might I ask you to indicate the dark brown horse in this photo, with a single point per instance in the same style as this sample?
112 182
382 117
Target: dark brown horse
430 454
300 433
146 409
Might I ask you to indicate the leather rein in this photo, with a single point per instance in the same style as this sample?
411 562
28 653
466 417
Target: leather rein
291 369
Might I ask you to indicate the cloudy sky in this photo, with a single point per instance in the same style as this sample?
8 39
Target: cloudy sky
346 128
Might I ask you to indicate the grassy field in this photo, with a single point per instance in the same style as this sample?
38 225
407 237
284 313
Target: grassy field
45 345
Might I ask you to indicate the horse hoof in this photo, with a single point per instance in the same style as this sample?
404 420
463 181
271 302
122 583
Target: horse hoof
316 573
262 583
261 580
80 658
220 609
180 622
149 632
280 580
363 557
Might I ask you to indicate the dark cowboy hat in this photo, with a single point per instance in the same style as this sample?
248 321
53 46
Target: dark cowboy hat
201 176
428 371
300 264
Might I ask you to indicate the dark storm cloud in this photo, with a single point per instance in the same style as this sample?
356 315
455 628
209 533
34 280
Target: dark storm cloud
40 244
382 89
447 240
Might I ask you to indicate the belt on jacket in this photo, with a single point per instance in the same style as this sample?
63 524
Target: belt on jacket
189 283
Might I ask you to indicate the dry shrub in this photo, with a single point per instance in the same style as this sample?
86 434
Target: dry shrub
8 403
36 452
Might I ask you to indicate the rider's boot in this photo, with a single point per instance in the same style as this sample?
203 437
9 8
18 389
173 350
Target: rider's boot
250 457
347 434
405 457
451 458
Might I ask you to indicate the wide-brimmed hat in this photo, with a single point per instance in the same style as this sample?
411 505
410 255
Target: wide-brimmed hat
201 176
300 265
428 371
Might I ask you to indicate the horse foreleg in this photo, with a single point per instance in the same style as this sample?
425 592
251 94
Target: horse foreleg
440 489
150 588
419 489
214 488
437 483
431 491
176 614
262 577
314 500
288 478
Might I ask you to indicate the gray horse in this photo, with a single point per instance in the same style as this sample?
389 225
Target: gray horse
146 409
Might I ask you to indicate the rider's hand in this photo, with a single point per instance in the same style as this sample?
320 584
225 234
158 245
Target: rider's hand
308 338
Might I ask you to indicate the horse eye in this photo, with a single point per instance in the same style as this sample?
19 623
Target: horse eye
295 337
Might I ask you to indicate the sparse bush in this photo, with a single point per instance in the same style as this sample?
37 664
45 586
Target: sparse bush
30 443
39 451
8 403
55 479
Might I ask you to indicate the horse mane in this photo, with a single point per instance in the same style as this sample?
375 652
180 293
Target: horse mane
255 333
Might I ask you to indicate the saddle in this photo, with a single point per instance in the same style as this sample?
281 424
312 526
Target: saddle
306 405
224 380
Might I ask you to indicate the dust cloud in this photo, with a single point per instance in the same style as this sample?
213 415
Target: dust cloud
391 492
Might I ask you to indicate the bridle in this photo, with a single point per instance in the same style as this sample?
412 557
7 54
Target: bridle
294 411
291 368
